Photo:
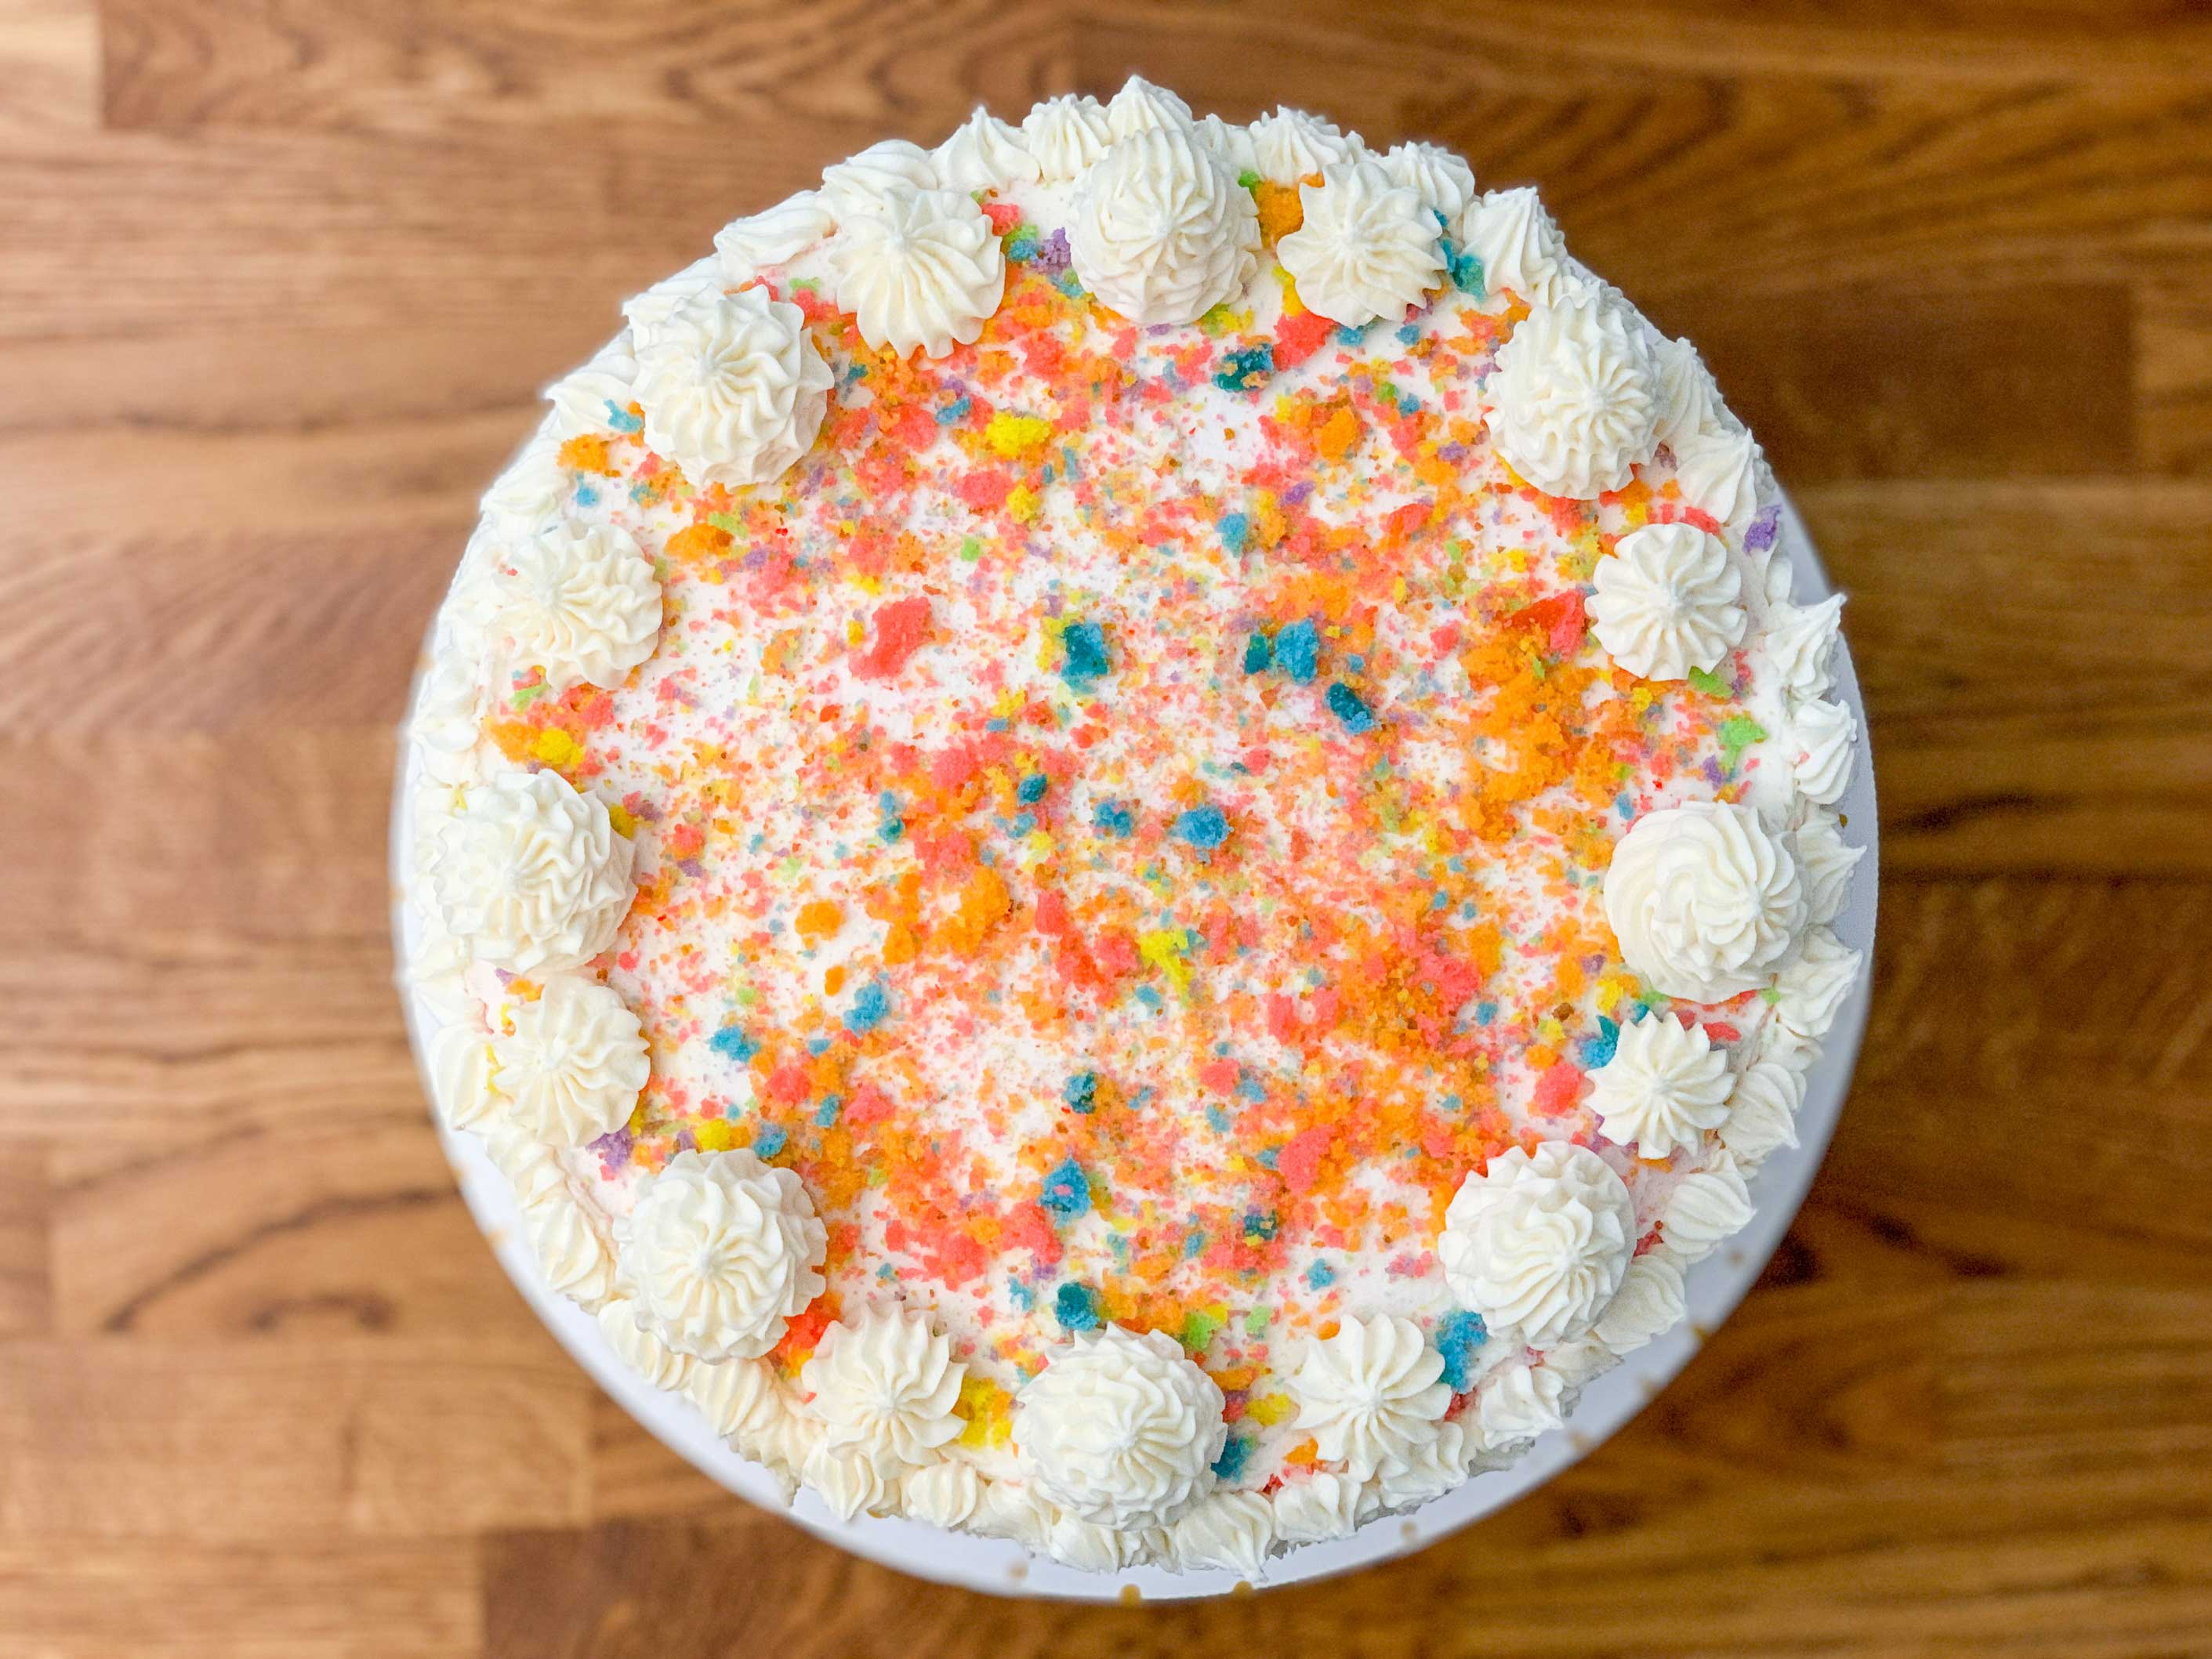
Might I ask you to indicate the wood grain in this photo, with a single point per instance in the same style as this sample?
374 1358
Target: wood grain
2031 656
26 1270
279 283
299 1598
2174 376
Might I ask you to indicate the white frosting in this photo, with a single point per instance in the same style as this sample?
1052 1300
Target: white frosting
1707 1209
529 876
1066 134
463 663
639 1349
787 1445
649 310
884 1384
1772 574
1718 473
1650 1302
740 1399
721 1252
1762 1109
447 722
571 1249
1519 246
1015 1509
1776 1041
984 153
1233 144
531 1167
1704 899
1711 1206
1371 1395
1367 249
1824 735
1573 1364
944 1493
460 1075
1140 106
923 271
1538 1241
732 390
1517 1403
1230 1530
1827 864
444 995
774 236
588 399
1161 231
1119 1428
433 806
1810 990
1573 398
1666 602
1665 1085
1434 1469
1801 640
582 601
1324 1504
1442 180
847 1481
530 492
1290 145
1089 1547
571 1068
1689 401
871 180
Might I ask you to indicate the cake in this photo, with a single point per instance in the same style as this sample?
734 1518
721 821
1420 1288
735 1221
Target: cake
1127 832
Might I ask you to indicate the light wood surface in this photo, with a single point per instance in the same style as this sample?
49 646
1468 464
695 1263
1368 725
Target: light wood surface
277 281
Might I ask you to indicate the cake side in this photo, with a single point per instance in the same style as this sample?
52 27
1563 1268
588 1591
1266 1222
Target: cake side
1127 831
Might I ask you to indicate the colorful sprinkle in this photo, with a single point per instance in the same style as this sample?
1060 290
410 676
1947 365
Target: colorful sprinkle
1247 370
1457 1335
870 1006
1236 1452
1076 1307
1066 1190
1086 660
1206 828
732 1044
1297 650
1344 703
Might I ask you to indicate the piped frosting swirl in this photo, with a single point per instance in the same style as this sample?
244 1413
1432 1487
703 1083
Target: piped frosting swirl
1367 248
1162 231
922 271
733 391
531 875
1704 899
1574 402
1538 1241
1120 1430
720 1251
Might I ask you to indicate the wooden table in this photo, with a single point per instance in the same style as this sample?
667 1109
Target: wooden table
278 278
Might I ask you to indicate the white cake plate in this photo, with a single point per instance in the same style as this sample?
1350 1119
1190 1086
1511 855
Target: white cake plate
1714 1285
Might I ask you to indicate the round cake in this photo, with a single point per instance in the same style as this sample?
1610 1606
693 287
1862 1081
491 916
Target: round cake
1125 831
